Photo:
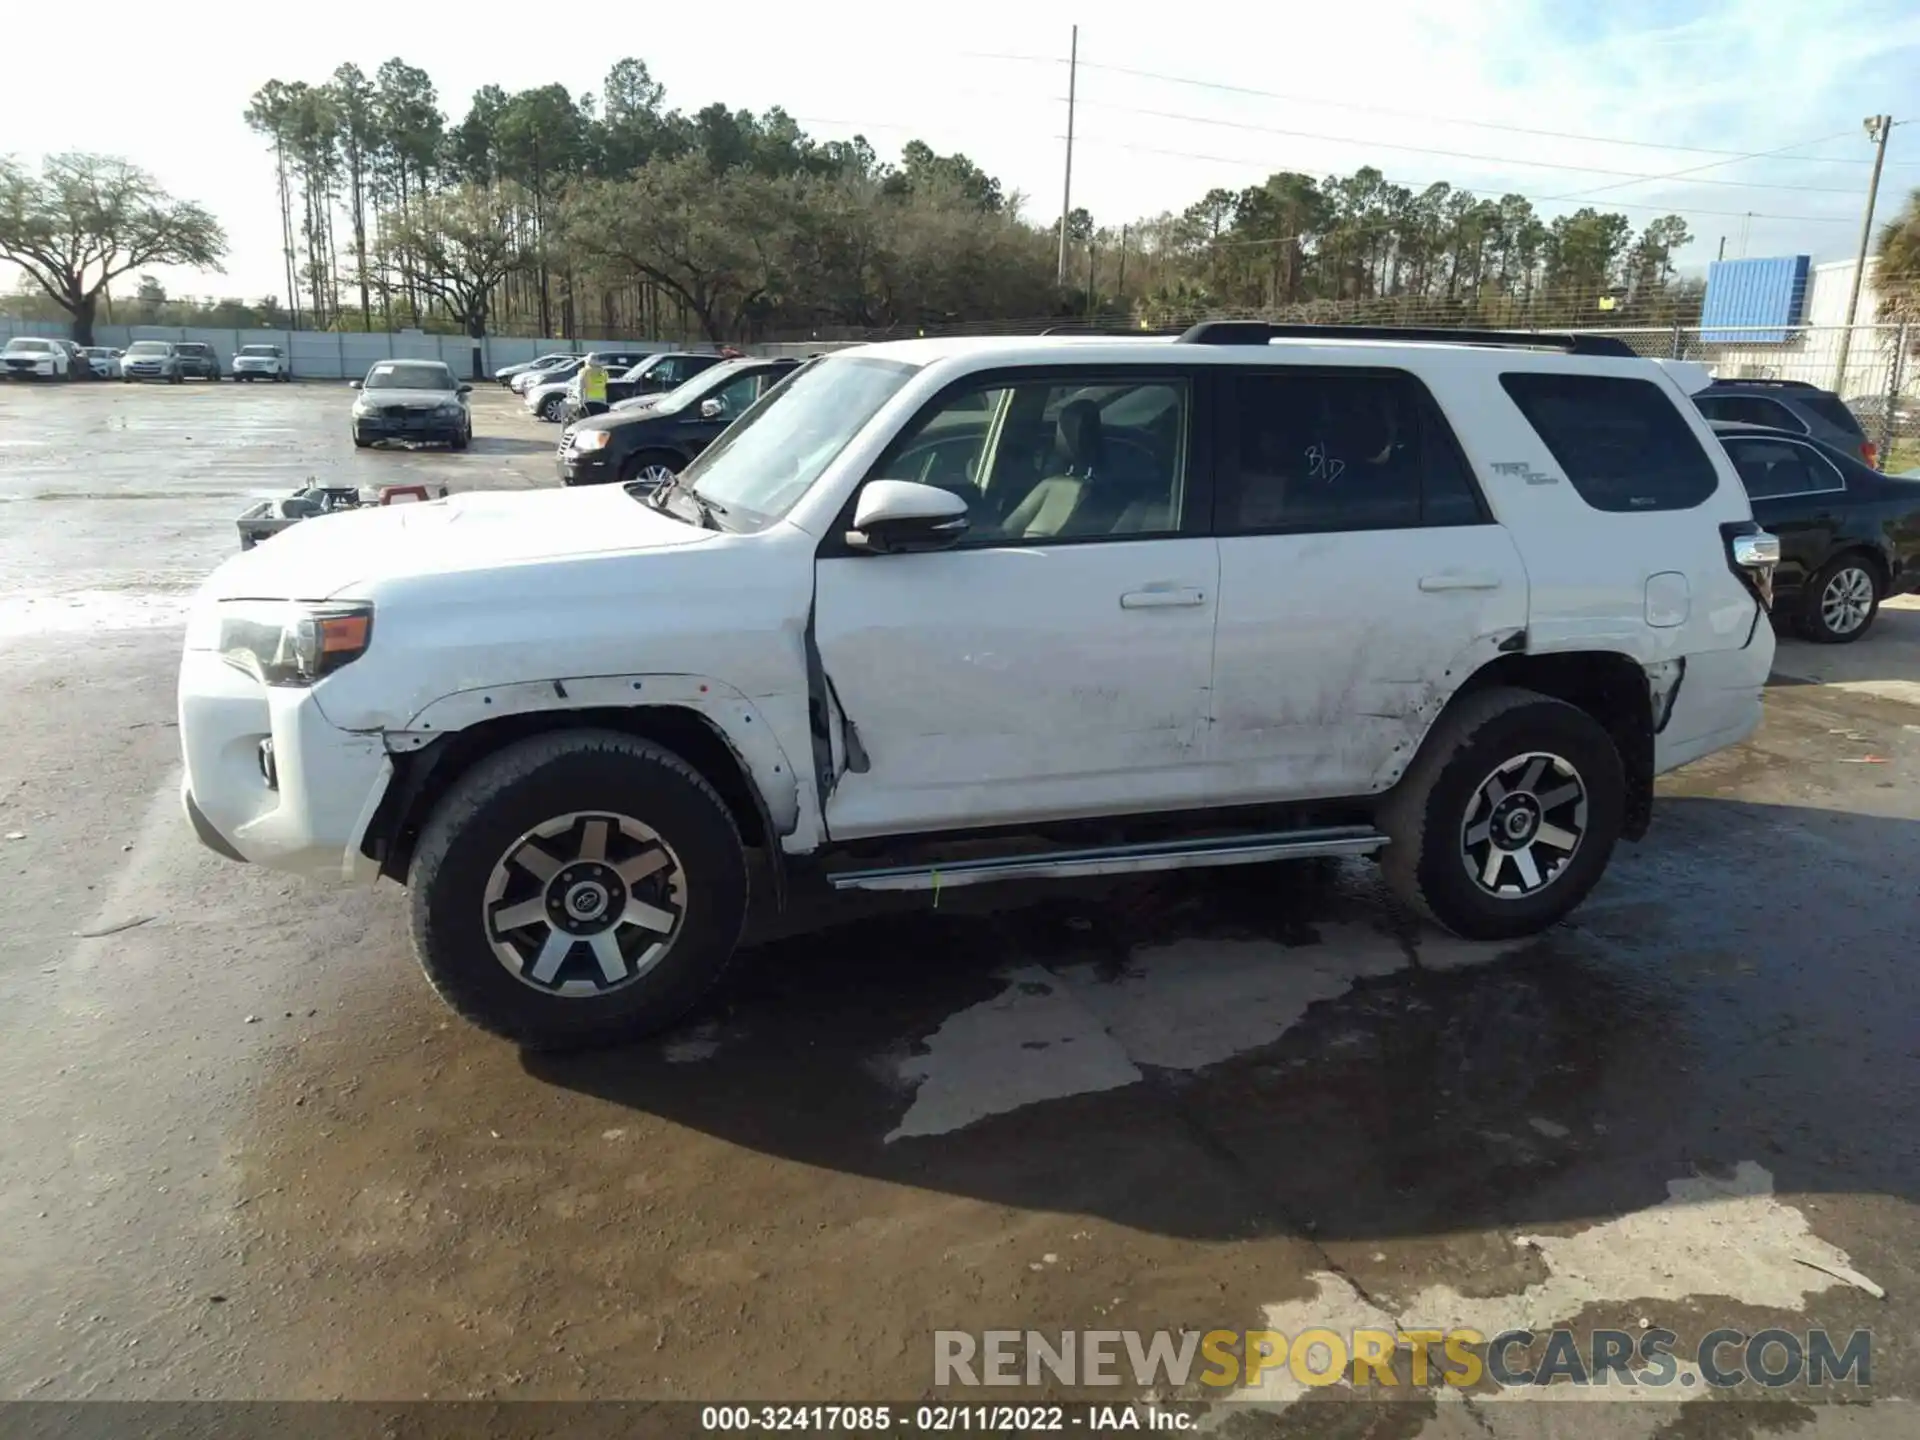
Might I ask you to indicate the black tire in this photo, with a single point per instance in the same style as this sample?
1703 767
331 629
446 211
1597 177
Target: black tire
360 441
1834 619
633 465
491 812
1430 815
460 439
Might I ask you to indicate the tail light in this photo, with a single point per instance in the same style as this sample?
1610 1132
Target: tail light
1752 555
1870 453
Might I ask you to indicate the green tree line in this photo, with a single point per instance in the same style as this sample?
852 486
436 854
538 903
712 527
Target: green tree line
545 211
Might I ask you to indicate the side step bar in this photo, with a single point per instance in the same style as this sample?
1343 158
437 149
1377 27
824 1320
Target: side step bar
1120 859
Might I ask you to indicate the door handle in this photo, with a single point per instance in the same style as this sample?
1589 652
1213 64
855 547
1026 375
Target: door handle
1162 599
1460 580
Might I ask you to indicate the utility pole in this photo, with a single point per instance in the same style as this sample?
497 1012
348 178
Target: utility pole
1120 285
1066 194
1878 127
1723 249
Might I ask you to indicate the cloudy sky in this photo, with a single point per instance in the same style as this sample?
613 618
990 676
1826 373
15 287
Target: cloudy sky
1568 101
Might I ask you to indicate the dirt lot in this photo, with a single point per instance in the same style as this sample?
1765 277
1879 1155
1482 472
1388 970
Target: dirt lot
248 1154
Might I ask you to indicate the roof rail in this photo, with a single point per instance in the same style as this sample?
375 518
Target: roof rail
1126 332
1780 384
1259 332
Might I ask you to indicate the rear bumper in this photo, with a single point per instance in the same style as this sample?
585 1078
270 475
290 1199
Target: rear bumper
1719 702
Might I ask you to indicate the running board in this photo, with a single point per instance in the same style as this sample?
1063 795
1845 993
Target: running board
1121 859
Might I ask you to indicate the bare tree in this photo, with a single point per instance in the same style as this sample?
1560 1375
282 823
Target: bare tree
87 219
461 244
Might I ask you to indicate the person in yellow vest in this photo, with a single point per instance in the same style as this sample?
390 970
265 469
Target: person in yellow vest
593 389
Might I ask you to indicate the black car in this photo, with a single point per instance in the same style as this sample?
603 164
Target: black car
197 358
660 440
1849 536
1792 405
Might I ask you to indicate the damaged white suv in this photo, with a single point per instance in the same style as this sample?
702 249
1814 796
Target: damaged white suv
951 611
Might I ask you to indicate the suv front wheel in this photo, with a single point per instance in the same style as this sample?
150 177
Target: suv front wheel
1507 817
576 889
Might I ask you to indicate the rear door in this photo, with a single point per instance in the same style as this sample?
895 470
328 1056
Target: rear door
1796 493
1361 576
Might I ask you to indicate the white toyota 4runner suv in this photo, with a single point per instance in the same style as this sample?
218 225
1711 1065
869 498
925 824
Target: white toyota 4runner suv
951 611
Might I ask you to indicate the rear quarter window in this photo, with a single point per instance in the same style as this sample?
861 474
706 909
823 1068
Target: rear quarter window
1623 445
1833 410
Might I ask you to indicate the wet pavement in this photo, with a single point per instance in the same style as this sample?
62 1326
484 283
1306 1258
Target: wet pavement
247 1154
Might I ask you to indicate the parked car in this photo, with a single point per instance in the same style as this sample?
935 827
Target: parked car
197 359
1794 405
79 367
150 360
546 397
412 400
526 380
506 374
1849 536
27 357
104 361
655 375
941 612
653 444
261 362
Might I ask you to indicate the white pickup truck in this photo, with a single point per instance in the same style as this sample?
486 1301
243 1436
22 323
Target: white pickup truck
950 611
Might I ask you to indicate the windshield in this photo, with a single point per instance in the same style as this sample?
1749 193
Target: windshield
148 347
269 351
407 375
35 347
766 460
700 386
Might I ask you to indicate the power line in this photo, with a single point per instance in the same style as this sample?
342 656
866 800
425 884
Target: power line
1711 164
1418 115
1632 176
1537 199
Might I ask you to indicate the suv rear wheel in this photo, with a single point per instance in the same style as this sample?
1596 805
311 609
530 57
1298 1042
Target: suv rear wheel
1839 604
1507 817
577 889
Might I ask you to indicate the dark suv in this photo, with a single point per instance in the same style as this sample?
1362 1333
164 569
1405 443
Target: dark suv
195 358
659 441
658 374
1794 405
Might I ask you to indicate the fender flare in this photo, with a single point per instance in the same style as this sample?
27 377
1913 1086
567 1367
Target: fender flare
770 775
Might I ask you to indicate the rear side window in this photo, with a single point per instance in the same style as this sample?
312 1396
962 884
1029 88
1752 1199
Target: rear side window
1621 442
1749 410
1340 450
1772 469
1830 409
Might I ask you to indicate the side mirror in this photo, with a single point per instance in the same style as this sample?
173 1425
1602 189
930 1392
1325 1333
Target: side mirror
901 517
464 389
711 409
353 384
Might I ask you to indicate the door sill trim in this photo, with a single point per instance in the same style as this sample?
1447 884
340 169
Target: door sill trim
1253 849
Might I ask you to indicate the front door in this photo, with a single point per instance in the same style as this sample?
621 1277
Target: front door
1360 578
1055 662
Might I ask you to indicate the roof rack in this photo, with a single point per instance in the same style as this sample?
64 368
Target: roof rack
1777 384
1258 332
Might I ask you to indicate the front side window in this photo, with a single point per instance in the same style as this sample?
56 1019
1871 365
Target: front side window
1771 469
1621 443
1054 459
1341 450
762 464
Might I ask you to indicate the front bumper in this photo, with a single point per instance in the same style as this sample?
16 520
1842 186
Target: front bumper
38 369
146 371
307 811
585 467
378 425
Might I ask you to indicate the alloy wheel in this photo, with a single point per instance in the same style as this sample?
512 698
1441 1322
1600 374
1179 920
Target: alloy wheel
1847 601
654 474
588 903
1523 825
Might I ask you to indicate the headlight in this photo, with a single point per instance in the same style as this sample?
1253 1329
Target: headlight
288 643
592 439
450 407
